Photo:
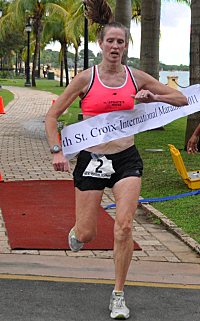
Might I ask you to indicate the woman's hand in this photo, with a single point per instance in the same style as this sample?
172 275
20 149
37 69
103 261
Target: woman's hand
192 145
151 90
60 163
145 96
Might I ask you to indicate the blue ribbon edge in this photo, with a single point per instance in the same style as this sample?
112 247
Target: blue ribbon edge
161 199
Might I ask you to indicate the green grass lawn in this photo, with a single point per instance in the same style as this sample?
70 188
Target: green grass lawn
7 96
160 177
41 84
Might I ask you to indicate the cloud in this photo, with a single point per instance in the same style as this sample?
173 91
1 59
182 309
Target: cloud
172 12
175 33
174 46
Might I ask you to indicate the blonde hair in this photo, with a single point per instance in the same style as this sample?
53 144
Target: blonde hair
99 11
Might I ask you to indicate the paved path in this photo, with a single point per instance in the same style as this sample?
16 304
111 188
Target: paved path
38 300
25 156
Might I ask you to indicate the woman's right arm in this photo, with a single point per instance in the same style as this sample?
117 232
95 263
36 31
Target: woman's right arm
77 87
193 141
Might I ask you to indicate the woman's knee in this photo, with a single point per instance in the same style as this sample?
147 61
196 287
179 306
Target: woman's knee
123 230
86 235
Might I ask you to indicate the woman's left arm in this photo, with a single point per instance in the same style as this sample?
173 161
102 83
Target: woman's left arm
151 90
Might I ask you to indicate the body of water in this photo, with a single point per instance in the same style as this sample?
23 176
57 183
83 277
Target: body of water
183 77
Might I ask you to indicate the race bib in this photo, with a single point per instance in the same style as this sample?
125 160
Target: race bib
99 167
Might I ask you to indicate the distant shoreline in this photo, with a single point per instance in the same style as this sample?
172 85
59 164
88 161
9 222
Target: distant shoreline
177 70
183 77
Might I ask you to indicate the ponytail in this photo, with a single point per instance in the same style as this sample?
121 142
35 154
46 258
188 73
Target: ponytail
99 12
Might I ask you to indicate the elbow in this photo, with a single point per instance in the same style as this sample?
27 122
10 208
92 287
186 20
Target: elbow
183 101
46 117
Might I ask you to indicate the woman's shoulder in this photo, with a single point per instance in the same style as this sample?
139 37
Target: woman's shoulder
144 80
82 78
141 77
139 73
80 82
84 74
134 71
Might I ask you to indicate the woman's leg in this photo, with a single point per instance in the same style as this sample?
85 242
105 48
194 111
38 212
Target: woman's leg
87 210
126 193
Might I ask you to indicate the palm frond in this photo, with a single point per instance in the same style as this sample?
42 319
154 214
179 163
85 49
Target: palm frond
54 9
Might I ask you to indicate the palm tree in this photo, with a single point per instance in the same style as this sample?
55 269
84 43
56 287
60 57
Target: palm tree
12 41
22 11
194 119
123 14
75 28
54 31
71 15
65 24
149 57
150 34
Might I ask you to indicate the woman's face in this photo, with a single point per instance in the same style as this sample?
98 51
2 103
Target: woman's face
113 44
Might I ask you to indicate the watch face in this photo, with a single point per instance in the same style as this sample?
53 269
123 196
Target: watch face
55 149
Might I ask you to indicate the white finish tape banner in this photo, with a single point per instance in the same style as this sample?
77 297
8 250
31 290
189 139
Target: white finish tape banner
117 124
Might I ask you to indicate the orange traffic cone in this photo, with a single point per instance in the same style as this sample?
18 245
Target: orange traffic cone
1 106
59 139
1 179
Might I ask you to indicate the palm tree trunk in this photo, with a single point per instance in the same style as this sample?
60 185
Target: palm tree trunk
123 15
150 34
194 119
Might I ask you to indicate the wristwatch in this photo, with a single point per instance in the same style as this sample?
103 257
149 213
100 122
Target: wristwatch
55 149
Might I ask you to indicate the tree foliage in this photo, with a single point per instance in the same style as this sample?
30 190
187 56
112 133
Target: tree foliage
52 57
12 40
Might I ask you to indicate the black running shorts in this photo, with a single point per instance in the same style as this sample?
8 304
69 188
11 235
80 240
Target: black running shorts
125 164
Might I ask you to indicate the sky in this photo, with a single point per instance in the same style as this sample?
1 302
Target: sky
175 35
